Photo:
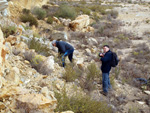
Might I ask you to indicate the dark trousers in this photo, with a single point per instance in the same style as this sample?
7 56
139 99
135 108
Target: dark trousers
68 53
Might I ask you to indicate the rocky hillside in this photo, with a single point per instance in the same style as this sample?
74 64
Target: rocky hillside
32 79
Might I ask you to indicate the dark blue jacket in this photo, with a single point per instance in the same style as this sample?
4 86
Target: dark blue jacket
106 60
63 46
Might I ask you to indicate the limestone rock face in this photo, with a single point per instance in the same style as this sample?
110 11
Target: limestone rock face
30 3
80 22
2 55
3 5
35 103
11 90
1 44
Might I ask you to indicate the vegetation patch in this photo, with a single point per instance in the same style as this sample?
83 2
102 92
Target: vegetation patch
50 20
66 11
80 104
92 74
38 47
26 11
39 13
141 54
8 30
29 18
70 73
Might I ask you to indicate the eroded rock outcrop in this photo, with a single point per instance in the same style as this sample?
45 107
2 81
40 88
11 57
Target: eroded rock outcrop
80 22
30 3
2 56
35 103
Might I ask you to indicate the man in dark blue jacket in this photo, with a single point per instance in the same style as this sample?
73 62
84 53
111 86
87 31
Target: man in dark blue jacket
106 58
65 49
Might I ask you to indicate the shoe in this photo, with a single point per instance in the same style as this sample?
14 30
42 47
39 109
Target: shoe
104 93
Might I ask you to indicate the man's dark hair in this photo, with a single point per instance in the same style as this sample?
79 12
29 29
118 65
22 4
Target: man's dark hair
106 46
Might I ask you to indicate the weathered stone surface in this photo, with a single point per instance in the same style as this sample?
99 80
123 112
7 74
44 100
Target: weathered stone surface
59 35
65 22
79 23
11 90
80 63
13 76
38 102
55 19
30 3
12 39
147 92
88 51
48 66
2 56
91 41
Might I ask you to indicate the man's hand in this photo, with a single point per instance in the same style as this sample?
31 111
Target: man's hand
101 54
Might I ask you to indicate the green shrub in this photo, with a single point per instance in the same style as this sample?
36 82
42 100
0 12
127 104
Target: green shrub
99 8
8 30
39 12
147 21
70 74
92 71
80 104
83 2
36 61
26 11
133 109
113 13
112 81
29 18
26 27
86 11
66 11
50 20
129 1
39 48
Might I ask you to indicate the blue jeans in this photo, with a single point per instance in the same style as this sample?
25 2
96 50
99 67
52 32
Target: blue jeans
68 53
106 82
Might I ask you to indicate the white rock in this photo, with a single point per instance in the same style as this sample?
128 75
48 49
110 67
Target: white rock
147 92
48 65
140 102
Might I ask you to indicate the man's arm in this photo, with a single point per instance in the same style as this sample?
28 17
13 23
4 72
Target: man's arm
107 57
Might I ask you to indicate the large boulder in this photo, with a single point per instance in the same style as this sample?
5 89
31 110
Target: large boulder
79 23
